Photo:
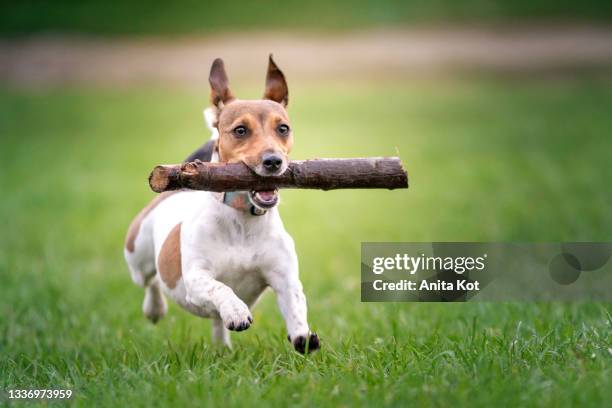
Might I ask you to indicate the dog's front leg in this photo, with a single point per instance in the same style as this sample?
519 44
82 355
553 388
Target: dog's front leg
285 281
204 291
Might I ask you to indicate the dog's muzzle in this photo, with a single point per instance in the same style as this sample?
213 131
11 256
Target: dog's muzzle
271 165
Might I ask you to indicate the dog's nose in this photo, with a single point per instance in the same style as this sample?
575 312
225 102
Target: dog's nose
272 161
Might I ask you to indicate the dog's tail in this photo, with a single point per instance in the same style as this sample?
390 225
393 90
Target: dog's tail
206 151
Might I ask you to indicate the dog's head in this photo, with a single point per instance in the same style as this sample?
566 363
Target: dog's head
254 132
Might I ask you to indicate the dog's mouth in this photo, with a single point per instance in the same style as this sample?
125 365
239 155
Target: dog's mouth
264 199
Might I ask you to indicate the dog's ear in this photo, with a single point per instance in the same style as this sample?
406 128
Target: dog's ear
276 86
219 85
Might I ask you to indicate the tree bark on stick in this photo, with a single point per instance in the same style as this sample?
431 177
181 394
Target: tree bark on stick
321 174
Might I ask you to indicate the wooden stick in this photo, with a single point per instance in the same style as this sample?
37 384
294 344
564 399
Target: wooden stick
323 174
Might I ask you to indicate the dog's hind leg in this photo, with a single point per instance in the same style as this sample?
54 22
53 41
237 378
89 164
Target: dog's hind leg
220 335
141 270
154 305
139 251
141 263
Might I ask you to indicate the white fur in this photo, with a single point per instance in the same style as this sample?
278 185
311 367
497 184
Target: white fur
210 117
229 257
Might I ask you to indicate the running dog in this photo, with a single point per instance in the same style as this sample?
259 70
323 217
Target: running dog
215 253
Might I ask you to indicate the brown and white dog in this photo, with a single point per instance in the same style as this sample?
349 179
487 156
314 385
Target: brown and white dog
214 254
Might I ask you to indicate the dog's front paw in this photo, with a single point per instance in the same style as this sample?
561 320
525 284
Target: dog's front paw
236 316
305 344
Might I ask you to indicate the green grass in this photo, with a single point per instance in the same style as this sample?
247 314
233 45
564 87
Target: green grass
514 161
197 17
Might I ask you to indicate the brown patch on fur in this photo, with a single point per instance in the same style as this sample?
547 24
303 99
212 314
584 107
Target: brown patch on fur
132 233
261 118
169 260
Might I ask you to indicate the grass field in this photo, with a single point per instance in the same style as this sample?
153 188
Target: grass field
519 160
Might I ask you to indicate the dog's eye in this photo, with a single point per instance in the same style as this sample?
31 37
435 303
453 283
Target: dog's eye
283 129
240 131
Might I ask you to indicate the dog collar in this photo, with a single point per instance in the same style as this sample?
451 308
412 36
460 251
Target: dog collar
239 200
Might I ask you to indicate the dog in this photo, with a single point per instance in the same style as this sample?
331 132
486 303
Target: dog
214 254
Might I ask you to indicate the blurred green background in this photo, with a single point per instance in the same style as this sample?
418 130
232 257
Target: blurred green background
492 156
197 17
